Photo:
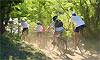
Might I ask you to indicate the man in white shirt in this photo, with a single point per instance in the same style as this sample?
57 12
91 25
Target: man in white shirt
79 24
24 26
58 29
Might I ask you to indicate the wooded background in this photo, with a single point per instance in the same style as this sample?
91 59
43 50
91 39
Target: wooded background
44 10
12 11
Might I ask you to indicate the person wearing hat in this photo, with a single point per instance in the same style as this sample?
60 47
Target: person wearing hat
79 24
24 26
39 31
53 24
58 30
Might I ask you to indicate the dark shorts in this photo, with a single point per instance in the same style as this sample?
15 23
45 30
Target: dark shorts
39 34
25 29
79 28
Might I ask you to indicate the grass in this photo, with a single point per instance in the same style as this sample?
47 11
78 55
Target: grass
15 49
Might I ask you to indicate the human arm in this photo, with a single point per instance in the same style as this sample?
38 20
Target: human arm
69 25
51 25
48 29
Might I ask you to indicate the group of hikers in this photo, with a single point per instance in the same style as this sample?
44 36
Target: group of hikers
58 27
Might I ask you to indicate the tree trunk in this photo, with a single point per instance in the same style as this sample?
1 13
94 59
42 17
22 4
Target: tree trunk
2 27
40 9
98 18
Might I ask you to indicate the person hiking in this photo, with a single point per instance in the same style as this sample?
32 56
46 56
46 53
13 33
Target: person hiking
25 26
40 30
79 25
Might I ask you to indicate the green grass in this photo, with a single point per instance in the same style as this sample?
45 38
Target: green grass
15 49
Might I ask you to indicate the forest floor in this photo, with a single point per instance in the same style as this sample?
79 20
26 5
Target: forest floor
69 55
54 55
92 53
16 49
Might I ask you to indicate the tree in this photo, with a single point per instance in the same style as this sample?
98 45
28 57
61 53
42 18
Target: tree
6 7
44 10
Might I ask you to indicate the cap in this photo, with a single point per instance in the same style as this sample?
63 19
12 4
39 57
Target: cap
73 14
55 17
23 20
39 23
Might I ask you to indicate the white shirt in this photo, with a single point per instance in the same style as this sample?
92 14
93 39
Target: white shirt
77 21
39 28
24 25
57 28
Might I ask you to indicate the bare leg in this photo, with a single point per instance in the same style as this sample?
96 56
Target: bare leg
54 41
80 34
23 37
54 38
75 39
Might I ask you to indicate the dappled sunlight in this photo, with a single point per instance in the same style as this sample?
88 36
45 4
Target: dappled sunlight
71 54
32 29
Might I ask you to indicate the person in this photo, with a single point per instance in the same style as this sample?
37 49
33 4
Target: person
39 29
79 24
25 26
58 29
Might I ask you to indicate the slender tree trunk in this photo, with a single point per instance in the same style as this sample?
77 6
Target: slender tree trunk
68 16
1 25
98 18
40 9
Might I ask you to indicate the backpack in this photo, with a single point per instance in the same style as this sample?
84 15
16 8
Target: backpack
43 30
58 23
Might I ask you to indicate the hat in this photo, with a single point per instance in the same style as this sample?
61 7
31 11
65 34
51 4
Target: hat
23 20
39 23
73 14
55 17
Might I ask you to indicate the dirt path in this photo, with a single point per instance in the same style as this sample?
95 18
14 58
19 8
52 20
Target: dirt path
69 55
75 55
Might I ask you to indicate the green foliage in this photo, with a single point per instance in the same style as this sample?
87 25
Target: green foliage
32 26
6 7
42 10
15 49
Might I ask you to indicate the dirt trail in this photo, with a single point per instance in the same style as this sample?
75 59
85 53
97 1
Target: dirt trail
70 55
75 55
